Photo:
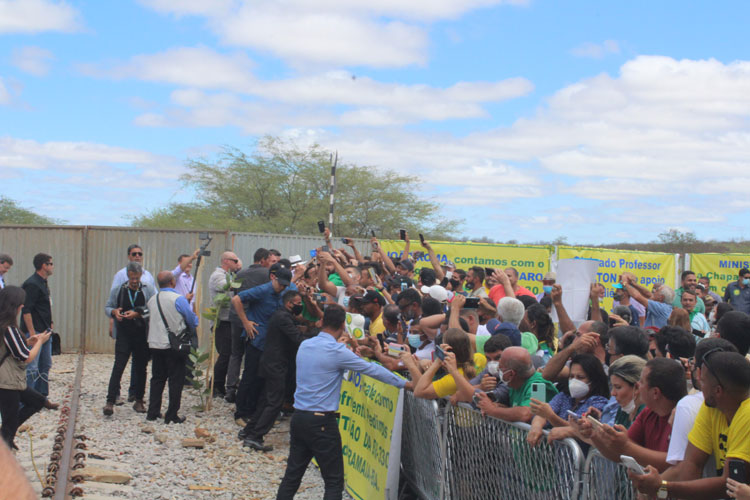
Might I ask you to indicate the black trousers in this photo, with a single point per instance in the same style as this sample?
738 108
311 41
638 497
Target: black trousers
235 360
314 435
166 364
251 384
12 413
224 348
268 408
129 343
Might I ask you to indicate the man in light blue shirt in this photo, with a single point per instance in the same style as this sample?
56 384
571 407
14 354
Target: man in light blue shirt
314 431
658 303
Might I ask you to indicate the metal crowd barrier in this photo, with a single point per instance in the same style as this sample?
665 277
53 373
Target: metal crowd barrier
490 458
453 452
423 447
606 480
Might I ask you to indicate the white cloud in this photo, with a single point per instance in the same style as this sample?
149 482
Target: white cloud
33 60
387 33
35 16
81 162
299 101
596 50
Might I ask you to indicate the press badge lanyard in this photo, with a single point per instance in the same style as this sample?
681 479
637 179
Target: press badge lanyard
133 298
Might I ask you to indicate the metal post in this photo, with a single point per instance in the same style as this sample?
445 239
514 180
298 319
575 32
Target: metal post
334 161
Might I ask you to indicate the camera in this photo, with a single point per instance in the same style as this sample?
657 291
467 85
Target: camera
143 311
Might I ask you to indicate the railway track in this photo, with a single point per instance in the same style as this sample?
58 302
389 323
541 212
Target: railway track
69 450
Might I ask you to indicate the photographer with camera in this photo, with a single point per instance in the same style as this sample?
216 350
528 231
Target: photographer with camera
183 279
127 307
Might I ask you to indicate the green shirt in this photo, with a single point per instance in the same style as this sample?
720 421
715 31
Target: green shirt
481 340
699 305
522 396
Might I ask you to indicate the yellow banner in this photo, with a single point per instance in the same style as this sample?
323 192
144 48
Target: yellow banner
650 267
370 427
720 268
531 262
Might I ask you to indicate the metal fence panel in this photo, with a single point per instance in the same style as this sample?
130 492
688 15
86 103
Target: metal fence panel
107 254
64 244
490 458
606 480
423 447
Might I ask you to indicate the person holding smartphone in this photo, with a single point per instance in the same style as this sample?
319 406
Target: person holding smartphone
587 387
517 371
14 356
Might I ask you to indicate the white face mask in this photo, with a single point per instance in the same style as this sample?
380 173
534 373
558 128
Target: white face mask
493 367
577 388
629 407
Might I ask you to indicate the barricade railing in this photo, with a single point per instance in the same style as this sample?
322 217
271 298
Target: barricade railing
423 447
453 452
606 480
490 458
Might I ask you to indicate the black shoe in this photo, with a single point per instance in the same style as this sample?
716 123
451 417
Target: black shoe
174 420
131 398
219 394
231 397
257 445
242 434
151 417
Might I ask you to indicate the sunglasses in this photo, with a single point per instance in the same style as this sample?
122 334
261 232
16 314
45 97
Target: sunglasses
704 361
234 260
136 254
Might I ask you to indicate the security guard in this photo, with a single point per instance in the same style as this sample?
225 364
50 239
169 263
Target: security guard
314 430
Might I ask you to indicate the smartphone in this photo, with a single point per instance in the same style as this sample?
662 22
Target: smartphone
631 464
439 353
539 392
737 470
573 414
318 297
373 276
395 350
476 399
372 232
404 286
594 422
345 241
488 271
421 238
471 303
402 233
313 253
449 274
325 249
321 226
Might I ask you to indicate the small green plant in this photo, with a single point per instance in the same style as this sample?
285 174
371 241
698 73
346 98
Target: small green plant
198 358
206 387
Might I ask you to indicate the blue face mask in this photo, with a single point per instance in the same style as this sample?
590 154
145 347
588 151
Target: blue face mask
547 289
746 282
414 340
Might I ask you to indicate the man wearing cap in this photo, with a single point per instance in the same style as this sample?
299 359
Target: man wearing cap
372 307
261 302
405 268
548 283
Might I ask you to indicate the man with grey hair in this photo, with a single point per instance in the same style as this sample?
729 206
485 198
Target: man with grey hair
127 308
517 371
658 303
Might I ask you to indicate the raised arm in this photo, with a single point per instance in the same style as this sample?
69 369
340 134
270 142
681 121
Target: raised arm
440 274
596 312
503 279
566 324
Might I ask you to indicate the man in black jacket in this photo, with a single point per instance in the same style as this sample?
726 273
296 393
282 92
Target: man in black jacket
282 340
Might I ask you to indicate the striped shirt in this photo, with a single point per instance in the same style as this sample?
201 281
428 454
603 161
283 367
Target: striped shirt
16 344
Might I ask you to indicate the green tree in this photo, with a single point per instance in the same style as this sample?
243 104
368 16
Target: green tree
282 188
12 213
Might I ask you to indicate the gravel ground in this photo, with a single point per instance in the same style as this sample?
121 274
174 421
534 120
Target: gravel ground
128 443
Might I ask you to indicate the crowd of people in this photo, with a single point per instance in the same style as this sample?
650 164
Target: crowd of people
662 377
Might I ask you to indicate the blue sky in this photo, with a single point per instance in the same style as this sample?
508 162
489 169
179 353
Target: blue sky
597 121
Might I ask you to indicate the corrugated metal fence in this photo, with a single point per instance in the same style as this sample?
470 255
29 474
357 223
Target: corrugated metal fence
87 257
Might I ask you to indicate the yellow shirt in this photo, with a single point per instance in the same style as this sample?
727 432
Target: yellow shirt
711 434
377 325
446 386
